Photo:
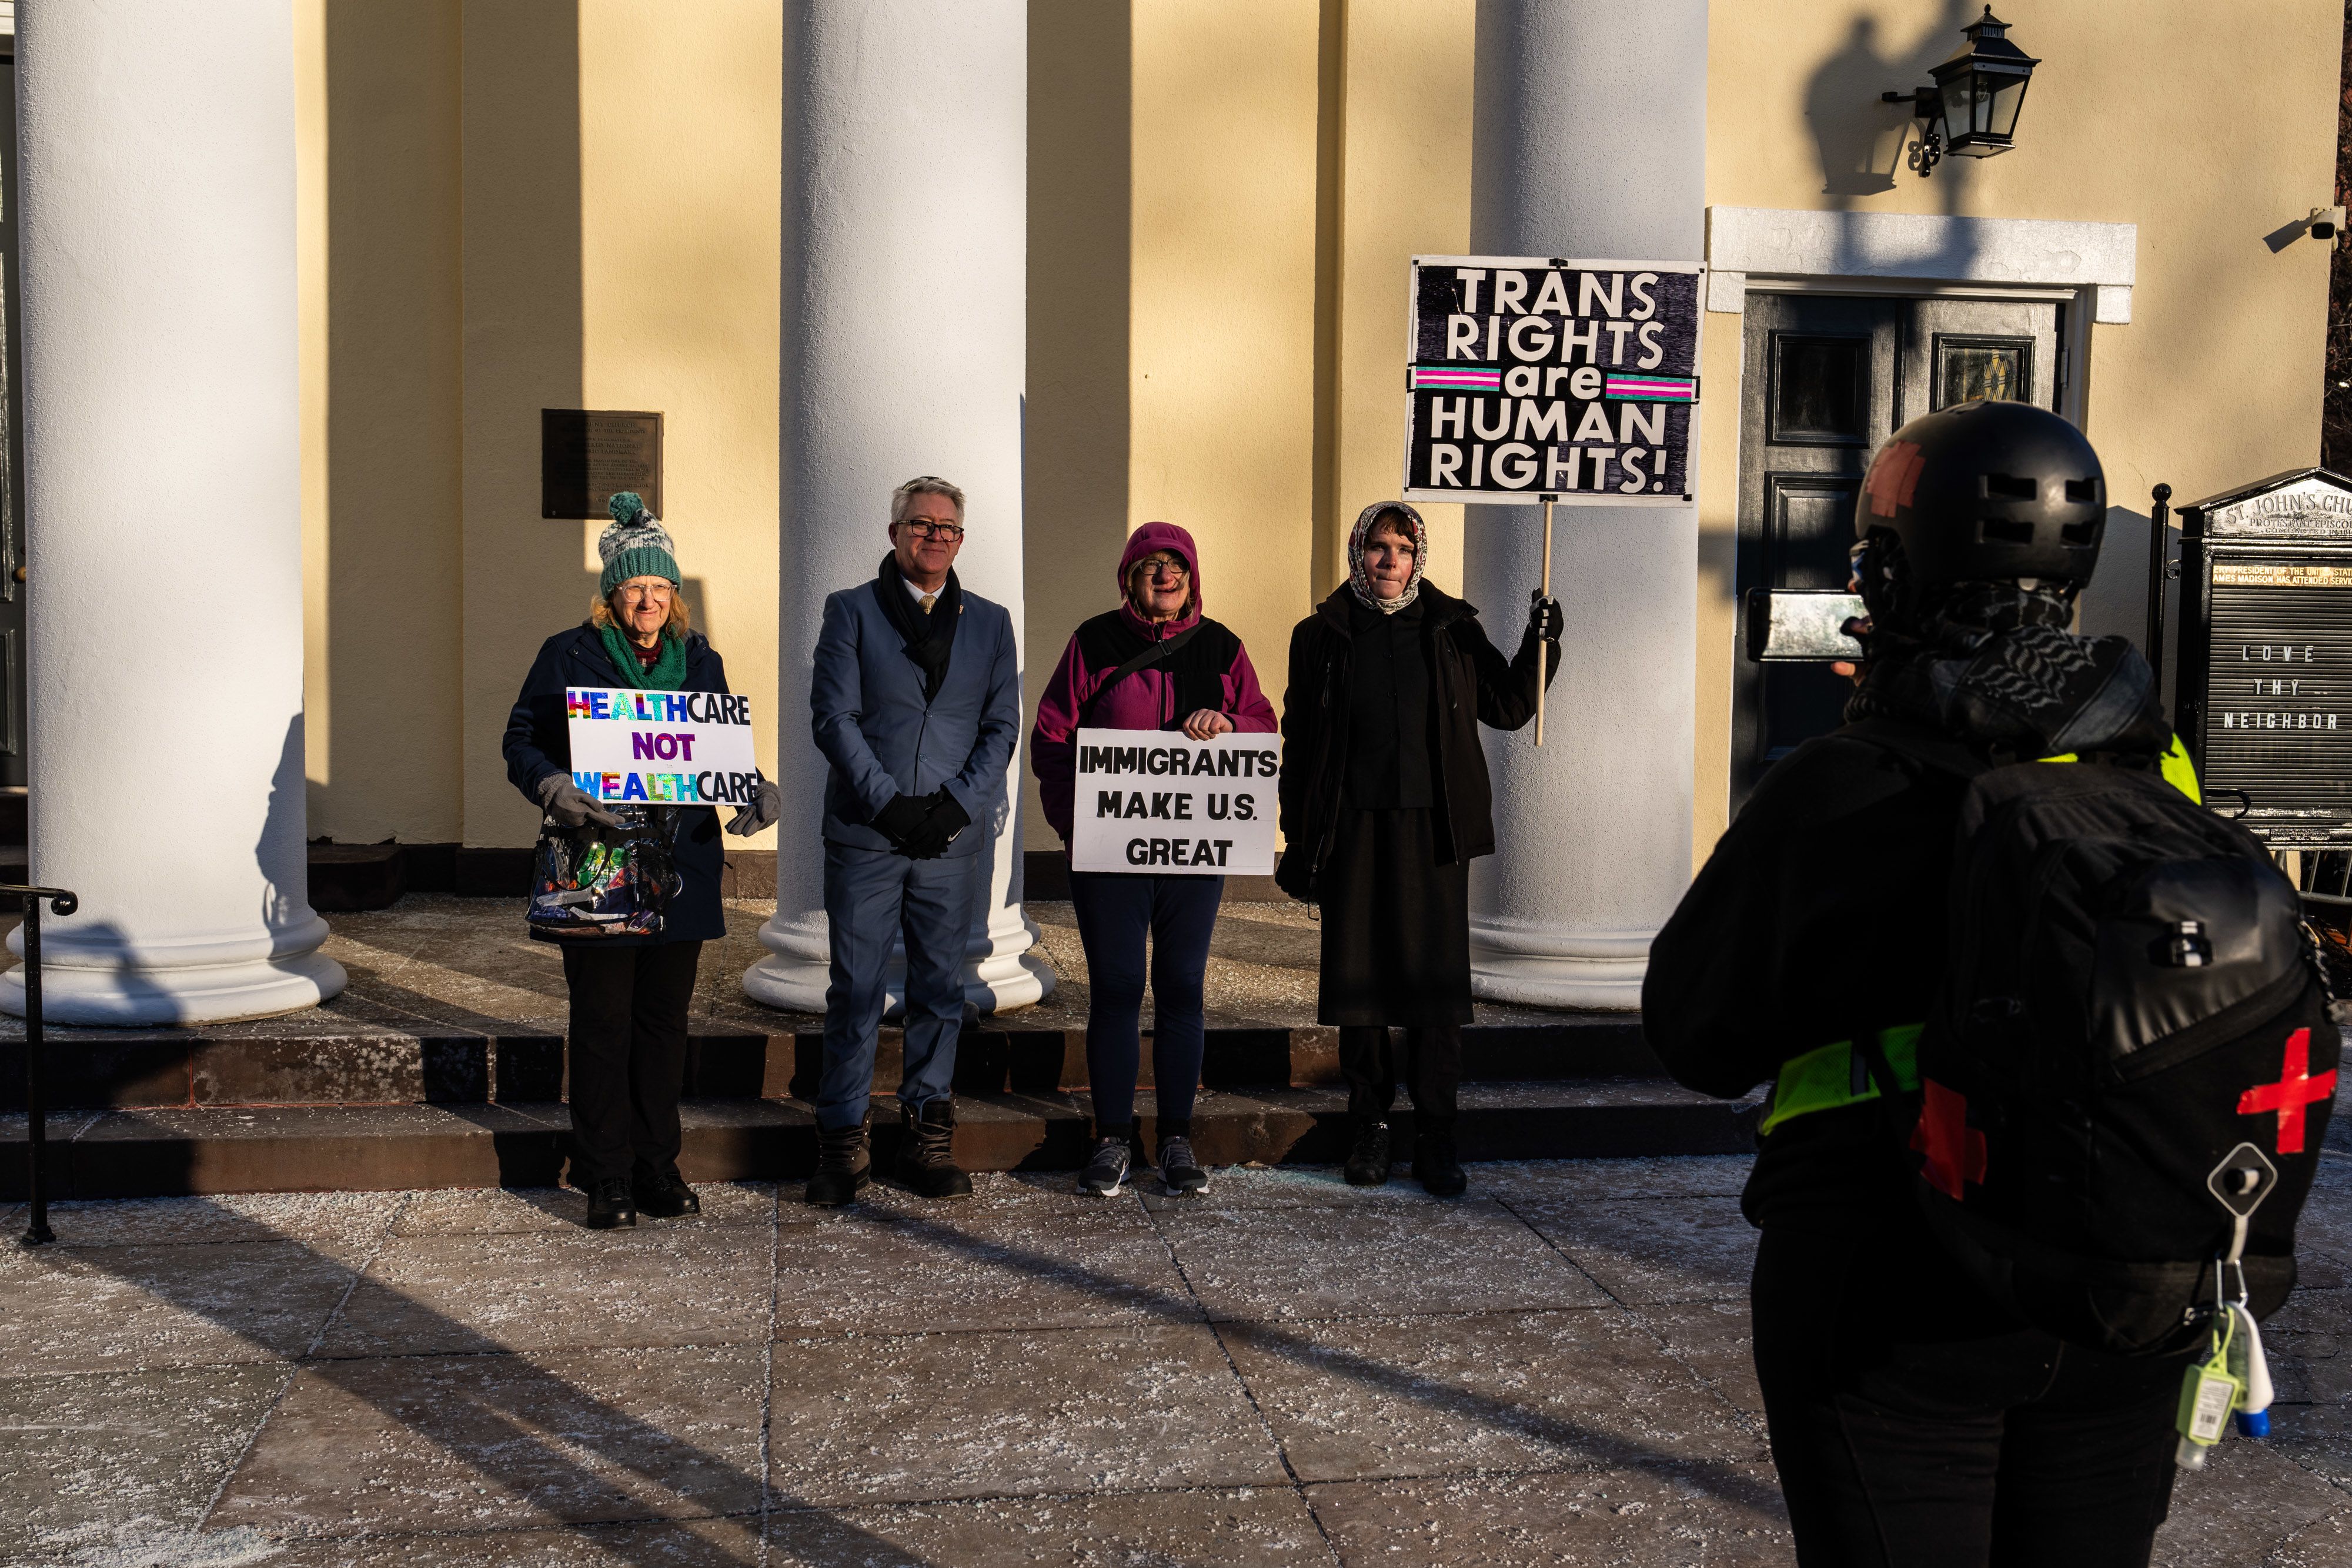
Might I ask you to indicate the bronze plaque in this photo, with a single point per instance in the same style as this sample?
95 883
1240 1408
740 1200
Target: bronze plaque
587 453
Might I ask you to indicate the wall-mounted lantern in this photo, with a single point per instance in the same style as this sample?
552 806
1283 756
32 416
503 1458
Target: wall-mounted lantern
1972 108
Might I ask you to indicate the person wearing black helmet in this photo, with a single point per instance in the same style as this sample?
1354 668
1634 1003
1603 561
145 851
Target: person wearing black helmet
1912 1421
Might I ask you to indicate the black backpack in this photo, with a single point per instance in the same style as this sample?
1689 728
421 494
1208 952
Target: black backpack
2130 999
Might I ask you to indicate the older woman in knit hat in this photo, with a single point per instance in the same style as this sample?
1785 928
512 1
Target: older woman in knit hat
626 1042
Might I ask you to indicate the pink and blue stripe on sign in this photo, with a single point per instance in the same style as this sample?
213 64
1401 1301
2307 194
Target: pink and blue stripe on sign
1464 378
1651 389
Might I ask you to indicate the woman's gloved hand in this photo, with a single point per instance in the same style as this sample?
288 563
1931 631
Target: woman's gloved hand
761 811
902 816
570 805
939 826
1545 620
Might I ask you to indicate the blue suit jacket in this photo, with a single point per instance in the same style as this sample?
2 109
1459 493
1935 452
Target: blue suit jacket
866 708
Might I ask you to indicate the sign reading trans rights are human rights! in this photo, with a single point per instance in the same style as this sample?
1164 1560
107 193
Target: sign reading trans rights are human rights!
1536 376
1151 801
661 749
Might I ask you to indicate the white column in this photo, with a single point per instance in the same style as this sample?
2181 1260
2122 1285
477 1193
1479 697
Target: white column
1589 140
904 344
163 489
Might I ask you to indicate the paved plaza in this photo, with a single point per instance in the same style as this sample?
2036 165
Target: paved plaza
1284 1370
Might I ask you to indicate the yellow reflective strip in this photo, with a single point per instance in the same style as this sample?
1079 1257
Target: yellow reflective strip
1822 1078
2181 772
2178 770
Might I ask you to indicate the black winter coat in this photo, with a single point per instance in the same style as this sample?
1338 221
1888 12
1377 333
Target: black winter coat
1471 683
538 742
1821 914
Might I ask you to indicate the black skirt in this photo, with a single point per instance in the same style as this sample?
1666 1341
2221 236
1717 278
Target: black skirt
1396 925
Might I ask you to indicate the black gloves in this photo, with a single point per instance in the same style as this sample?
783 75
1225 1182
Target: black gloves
938 829
1544 618
921 826
902 816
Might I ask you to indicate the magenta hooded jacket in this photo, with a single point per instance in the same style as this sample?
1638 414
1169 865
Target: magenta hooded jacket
1212 671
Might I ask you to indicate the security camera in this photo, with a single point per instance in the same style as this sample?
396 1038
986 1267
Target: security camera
2324 220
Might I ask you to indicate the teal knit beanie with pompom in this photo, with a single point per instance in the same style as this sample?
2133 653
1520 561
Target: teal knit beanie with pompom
634 546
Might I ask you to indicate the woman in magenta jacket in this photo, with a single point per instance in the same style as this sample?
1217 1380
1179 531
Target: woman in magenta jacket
1202 684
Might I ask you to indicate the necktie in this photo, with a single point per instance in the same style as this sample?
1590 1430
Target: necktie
927 601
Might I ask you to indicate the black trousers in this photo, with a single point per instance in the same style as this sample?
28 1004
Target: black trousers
1916 1428
628 1056
1430 1064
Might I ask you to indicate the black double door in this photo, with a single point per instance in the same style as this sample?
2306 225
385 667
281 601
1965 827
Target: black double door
1828 378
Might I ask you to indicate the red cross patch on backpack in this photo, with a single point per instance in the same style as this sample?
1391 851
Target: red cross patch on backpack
2129 996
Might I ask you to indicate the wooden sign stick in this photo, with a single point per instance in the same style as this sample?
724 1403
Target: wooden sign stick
1543 657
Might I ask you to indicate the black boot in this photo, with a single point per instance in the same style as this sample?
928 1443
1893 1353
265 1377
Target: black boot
845 1166
663 1193
1368 1154
926 1152
1437 1167
611 1203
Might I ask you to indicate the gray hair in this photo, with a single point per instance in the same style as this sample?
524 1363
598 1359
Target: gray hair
904 495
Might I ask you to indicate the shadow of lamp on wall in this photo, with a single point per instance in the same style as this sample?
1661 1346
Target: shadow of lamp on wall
1971 110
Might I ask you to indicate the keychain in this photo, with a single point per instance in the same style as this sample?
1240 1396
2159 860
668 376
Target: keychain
2251 1368
2209 1393
2235 1375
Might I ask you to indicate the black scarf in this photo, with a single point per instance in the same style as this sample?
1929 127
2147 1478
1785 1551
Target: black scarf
1994 664
930 639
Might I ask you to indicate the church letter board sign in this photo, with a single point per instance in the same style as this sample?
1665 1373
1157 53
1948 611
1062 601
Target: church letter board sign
2266 654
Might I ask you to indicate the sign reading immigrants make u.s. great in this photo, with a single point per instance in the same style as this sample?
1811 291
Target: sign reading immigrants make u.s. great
1535 375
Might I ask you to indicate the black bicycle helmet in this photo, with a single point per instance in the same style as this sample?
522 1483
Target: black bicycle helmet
1986 492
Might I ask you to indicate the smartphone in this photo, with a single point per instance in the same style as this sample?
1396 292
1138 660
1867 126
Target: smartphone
1791 625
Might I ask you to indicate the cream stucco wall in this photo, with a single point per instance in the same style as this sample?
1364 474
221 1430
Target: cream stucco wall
1222 320
548 203
2216 377
378 225
679 134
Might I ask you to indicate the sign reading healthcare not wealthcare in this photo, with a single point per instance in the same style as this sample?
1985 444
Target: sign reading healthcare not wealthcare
661 749
1152 800
1535 376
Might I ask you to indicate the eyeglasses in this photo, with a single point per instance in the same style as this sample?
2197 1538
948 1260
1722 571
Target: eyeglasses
633 593
1162 566
921 530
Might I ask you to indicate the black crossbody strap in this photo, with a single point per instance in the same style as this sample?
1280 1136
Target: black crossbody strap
1146 659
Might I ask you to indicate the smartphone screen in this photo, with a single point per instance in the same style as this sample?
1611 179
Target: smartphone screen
1787 625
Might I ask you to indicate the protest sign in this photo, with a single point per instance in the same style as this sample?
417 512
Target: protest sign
1151 801
1535 375
661 749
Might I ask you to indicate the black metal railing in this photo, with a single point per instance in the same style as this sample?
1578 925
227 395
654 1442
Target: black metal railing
36 1065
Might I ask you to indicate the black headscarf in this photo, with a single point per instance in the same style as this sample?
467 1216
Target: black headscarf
930 638
1994 664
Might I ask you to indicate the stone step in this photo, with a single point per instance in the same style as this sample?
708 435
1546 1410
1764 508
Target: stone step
299 1062
170 1151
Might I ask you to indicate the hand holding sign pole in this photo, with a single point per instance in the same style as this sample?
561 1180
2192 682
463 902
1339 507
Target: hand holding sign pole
1543 376
1543 658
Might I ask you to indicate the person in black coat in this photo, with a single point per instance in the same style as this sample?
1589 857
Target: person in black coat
627 1040
1914 1419
1385 801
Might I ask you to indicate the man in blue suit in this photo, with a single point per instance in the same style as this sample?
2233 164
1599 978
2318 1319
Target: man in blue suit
916 704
